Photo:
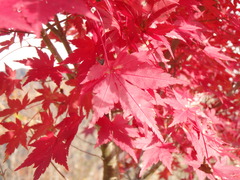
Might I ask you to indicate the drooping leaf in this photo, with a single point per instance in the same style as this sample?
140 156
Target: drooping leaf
15 136
41 156
53 147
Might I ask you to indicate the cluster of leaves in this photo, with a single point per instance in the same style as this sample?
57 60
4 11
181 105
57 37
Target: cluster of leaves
157 77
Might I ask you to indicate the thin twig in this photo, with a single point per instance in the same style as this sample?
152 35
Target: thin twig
14 51
85 141
2 172
14 31
58 171
87 152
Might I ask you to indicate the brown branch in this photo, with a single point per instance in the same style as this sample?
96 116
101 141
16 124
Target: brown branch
50 46
151 171
53 49
62 36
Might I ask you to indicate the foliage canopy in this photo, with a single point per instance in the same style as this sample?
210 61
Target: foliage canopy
159 78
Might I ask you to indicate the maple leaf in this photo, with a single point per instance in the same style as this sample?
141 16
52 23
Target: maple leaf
43 153
49 97
85 52
10 16
43 128
122 82
8 82
83 57
30 14
53 147
15 105
205 144
214 53
15 136
6 44
157 153
183 110
117 131
224 171
43 68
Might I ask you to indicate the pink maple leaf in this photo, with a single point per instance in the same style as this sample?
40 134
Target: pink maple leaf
126 80
157 153
31 14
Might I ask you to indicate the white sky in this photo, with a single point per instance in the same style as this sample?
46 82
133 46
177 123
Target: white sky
19 52
16 52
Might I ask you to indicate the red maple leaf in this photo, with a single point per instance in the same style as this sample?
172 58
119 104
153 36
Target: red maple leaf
49 97
117 131
43 68
10 16
43 128
125 80
53 147
15 136
45 149
15 105
8 82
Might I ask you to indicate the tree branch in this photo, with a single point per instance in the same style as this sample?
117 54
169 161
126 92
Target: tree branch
151 171
60 34
110 161
50 46
53 49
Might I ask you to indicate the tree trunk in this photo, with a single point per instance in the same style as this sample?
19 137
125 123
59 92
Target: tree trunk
110 162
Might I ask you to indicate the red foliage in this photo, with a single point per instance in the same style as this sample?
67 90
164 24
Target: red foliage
161 78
